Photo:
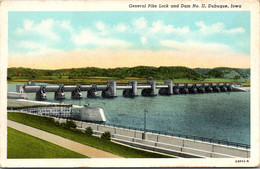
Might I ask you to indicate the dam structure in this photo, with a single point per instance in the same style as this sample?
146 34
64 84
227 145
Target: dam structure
58 110
129 90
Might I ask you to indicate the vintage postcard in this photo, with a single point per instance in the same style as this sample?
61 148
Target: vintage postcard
129 83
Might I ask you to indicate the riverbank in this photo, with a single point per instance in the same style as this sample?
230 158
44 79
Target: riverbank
76 147
22 145
16 103
47 124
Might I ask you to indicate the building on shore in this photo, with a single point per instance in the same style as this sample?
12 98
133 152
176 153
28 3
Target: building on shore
82 113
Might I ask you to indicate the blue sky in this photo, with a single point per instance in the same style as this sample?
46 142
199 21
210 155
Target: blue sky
44 34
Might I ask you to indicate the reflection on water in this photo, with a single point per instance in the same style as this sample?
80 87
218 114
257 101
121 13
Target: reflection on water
224 116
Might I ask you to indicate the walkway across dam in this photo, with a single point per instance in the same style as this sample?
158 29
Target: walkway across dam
129 90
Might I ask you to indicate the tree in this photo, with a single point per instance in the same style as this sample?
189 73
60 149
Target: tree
89 131
106 136
237 77
60 76
32 74
71 124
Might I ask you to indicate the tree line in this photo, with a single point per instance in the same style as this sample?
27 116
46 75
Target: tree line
147 72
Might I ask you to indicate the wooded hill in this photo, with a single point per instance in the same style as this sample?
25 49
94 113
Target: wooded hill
138 72
229 73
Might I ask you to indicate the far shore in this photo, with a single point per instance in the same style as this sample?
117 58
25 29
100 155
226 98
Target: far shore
102 80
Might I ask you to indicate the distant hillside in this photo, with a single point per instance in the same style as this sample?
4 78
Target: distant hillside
139 71
231 73
202 71
243 72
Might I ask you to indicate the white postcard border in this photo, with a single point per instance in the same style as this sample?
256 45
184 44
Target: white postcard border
123 5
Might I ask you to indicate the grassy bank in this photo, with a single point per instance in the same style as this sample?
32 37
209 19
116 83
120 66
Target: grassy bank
21 145
14 103
47 124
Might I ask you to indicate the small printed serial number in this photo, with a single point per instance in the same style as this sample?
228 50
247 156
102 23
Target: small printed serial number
242 161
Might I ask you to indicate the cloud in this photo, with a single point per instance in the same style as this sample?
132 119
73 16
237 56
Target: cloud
159 26
196 46
66 25
35 47
217 28
123 35
87 37
100 25
144 40
43 29
30 45
139 23
120 27
105 29
102 28
156 31
102 36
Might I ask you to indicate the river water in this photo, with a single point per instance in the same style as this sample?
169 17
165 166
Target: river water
223 116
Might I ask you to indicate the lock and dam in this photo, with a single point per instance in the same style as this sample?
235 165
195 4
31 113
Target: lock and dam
130 90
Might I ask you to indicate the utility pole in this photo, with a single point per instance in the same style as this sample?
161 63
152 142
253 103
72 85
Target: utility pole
145 111
143 135
60 109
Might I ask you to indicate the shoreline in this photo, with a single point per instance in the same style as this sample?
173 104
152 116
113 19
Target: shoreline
246 84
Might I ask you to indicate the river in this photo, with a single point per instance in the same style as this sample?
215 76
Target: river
223 116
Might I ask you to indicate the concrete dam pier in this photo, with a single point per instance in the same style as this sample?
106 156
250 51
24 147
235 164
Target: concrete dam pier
129 90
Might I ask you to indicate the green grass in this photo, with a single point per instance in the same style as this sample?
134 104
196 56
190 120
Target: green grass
13 82
47 124
13 103
21 145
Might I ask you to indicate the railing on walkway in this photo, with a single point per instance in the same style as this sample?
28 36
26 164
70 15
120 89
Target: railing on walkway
197 138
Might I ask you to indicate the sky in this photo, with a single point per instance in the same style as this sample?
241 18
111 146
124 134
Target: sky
55 40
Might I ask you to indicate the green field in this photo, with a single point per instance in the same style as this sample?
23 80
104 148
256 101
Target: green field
47 124
13 103
21 145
